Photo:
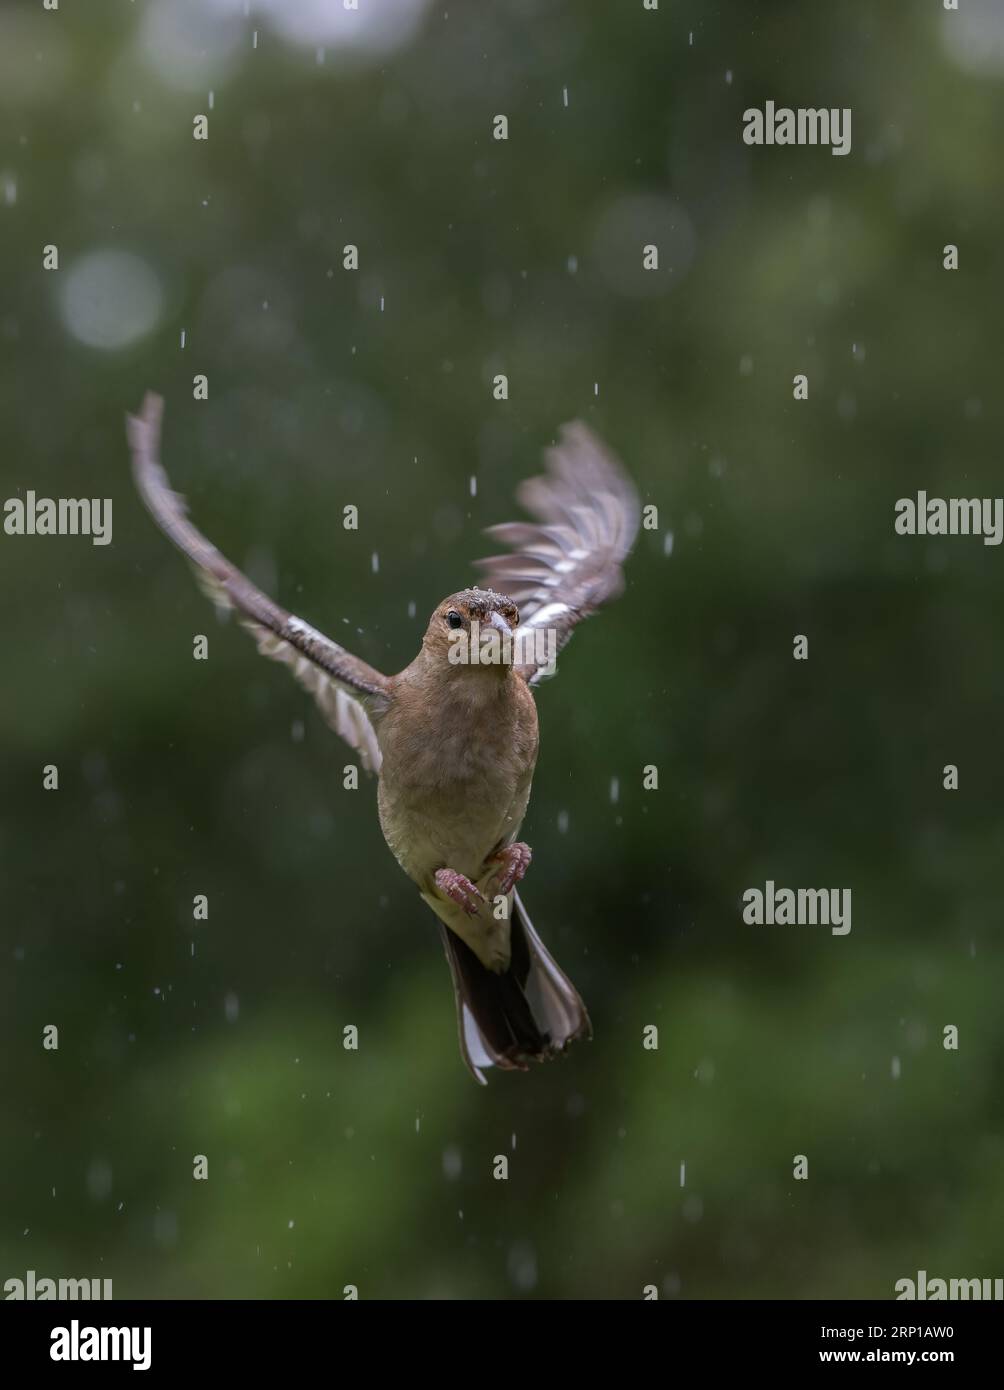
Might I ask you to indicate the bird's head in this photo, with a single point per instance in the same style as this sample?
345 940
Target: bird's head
473 630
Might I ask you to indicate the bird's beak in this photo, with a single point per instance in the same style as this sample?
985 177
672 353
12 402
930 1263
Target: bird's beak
498 622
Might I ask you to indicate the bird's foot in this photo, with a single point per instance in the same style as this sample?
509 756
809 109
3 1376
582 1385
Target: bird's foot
460 890
515 860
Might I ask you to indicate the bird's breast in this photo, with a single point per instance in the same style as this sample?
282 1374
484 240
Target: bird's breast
455 777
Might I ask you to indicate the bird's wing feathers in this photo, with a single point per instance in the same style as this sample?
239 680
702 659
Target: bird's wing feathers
568 562
344 687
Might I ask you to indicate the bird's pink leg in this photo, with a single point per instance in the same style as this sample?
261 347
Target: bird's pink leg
515 860
459 890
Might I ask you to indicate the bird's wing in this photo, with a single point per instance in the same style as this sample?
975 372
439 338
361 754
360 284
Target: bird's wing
346 689
567 562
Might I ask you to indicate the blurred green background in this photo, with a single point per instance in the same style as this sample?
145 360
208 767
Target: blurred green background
329 387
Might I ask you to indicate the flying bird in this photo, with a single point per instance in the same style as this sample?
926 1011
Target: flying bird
453 737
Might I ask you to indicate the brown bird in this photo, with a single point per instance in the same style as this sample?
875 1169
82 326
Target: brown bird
453 737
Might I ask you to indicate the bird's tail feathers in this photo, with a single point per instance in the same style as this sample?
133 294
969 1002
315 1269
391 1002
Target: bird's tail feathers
528 1013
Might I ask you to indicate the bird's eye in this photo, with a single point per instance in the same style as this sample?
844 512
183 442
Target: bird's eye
512 616
454 619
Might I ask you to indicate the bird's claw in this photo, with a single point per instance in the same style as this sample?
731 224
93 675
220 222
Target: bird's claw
460 890
515 860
